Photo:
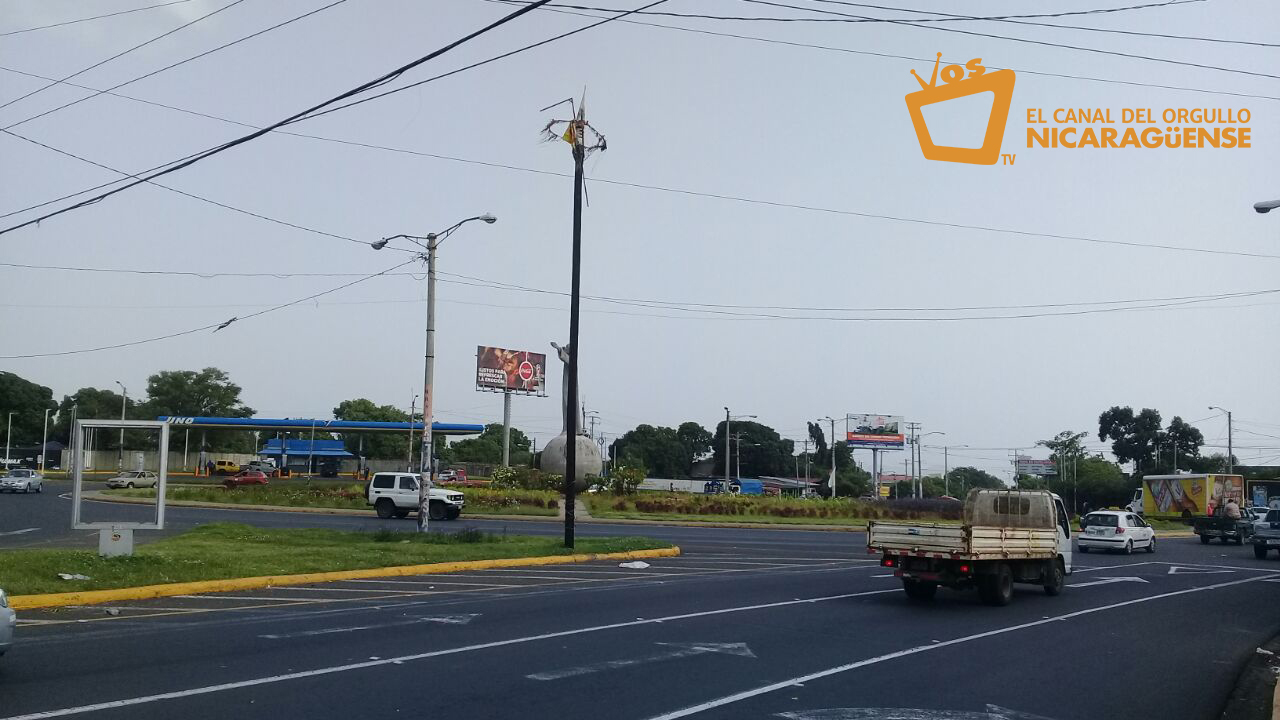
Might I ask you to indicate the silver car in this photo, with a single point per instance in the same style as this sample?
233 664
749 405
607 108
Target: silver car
133 479
22 480
8 621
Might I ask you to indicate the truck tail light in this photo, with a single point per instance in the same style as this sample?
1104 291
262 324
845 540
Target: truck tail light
888 561
964 569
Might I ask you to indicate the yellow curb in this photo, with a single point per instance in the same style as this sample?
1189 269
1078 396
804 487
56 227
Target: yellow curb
93 597
1275 703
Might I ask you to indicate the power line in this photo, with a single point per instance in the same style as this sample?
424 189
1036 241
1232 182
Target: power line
385 78
1016 20
95 17
170 66
212 326
122 53
850 51
1081 48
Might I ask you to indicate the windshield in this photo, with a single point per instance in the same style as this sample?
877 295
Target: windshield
1101 520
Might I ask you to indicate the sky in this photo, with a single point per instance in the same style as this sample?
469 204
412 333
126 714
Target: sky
749 187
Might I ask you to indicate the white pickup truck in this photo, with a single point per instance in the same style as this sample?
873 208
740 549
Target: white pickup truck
1008 536
395 494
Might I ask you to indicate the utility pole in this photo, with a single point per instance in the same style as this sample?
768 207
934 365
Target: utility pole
727 419
911 441
576 135
409 462
506 428
124 401
44 444
946 481
8 435
592 417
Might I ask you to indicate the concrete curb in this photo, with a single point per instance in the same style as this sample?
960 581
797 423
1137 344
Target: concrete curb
1275 703
93 597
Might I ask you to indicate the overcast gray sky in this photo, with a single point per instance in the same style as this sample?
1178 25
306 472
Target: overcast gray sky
768 121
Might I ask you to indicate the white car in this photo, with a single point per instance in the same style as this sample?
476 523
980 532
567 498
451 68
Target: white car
1115 530
395 494
133 479
8 621
22 480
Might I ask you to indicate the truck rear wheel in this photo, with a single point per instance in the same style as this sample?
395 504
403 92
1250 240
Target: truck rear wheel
437 510
997 588
1204 539
1260 552
919 589
1055 576
386 509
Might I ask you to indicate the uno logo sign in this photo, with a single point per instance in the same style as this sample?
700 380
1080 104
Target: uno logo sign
957 85
181 420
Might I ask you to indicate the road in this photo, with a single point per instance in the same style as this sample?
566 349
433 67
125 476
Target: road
748 623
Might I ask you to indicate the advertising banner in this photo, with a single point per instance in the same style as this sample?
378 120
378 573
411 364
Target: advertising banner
876 431
1033 466
1189 495
517 371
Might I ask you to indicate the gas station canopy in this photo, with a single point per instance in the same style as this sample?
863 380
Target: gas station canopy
323 425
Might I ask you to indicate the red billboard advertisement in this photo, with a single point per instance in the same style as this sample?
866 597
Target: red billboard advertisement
502 370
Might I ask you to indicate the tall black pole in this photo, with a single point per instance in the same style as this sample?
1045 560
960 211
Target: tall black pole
571 412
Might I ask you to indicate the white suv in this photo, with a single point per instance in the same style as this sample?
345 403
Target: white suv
395 494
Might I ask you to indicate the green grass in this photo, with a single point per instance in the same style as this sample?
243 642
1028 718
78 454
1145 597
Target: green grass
220 551
751 509
348 496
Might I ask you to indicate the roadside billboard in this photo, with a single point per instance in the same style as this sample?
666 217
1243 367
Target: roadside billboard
882 432
517 371
1034 466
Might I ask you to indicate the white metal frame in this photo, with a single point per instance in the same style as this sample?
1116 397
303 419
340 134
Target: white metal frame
77 463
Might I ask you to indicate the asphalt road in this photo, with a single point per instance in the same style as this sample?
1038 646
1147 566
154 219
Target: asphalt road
44 520
748 623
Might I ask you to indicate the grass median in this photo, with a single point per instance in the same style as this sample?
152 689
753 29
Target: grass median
479 501
224 550
692 508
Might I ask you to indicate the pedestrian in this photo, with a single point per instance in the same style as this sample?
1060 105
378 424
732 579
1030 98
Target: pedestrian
1232 509
208 469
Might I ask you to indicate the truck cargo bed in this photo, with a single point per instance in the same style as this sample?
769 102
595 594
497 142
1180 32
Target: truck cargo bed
964 542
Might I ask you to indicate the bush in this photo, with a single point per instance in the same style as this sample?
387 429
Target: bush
625 480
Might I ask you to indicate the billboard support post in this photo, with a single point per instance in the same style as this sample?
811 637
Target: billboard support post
506 428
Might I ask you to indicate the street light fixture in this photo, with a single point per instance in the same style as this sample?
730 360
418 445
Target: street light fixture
7 435
433 243
124 401
946 468
1231 459
1266 206
833 453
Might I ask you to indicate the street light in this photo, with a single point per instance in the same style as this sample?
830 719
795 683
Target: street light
727 452
946 469
7 435
433 242
920 455
833 453
1266 206
124 400
1231 460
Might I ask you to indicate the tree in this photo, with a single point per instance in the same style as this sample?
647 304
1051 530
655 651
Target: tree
1095 480
964 479
379 445
92 404
210 393
1179 446
487 447
697 441
1133 437
757 449
27 401
819 440
1064 449
660 450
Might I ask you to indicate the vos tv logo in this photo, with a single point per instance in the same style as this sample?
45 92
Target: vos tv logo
957 85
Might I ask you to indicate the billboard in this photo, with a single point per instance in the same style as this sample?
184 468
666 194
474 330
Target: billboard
518 371
876 431
1033 466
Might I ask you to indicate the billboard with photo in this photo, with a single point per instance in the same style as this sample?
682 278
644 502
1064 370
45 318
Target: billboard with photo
518 371
883 432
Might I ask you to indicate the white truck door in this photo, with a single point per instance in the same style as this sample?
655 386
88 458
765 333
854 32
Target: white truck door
1064 534
407 492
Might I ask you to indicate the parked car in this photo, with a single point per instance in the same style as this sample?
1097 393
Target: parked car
133 479
452 476
1219 525
1266 534
266 467
22 479
395 494
225 467
8 621
246 477
1115 530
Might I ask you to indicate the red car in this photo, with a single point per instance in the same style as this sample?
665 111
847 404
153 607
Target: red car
246 477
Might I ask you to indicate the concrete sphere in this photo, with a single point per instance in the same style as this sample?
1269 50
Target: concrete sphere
587 460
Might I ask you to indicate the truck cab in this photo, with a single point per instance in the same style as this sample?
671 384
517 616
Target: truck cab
395 494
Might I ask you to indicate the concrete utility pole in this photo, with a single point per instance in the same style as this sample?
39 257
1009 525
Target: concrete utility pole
428 376
409 462
911 445
124 401
592 417
727 419
8 434
44 444
833 455
506 428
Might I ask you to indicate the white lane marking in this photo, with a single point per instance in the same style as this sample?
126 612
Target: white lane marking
1181 570
1077 569
271 679
433 583
994 712
1274 580
441 619
764 689
682 650
350 590
18 532
885 575
242 597
1107 581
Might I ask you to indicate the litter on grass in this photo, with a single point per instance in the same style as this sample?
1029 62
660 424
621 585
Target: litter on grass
73 576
